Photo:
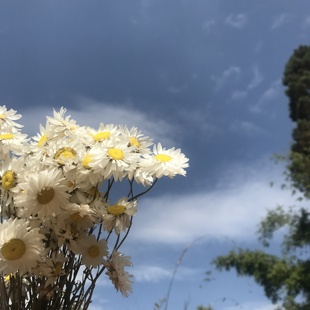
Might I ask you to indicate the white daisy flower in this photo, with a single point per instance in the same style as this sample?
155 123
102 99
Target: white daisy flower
62 126
65 152
53 267
103 134
21 246
7 118
117 274
43 194
118 216
92 251
81 133
116 159
12 140
37 149
82 191
76 217
136 139
87 167
165 162
9 177
141 176
42 139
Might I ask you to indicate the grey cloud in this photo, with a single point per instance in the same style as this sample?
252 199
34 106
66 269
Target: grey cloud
245 190
101 51
91 113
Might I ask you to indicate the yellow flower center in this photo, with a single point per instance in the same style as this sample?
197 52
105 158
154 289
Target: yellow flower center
8 277
46 195
6 136
42 140
93 251
163 158
70 184
13 249
116 209
2 116
86 161
116 154
102 135
8 180
65 152
76 217
134 142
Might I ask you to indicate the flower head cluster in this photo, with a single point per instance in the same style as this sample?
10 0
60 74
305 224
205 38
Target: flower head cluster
21 247
56 210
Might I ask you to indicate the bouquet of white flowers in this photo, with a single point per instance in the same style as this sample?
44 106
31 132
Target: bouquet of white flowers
59 230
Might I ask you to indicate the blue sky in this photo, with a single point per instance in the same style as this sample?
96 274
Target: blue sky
202 75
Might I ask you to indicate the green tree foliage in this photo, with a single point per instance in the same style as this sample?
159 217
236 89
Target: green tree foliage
283 278
286 278
296 78
204 308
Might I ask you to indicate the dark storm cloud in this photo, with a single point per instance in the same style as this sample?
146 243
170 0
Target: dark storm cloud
164 56
139 51
146 52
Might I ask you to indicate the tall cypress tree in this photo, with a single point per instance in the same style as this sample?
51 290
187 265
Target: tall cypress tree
297 80
285 277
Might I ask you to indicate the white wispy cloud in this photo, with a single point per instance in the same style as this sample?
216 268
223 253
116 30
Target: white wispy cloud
208 25
235 207
238 95
89 112
280 20
270 94
258 46
257 78
232 73
177 89
245 127
237 21
307 21
201 121
151 273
